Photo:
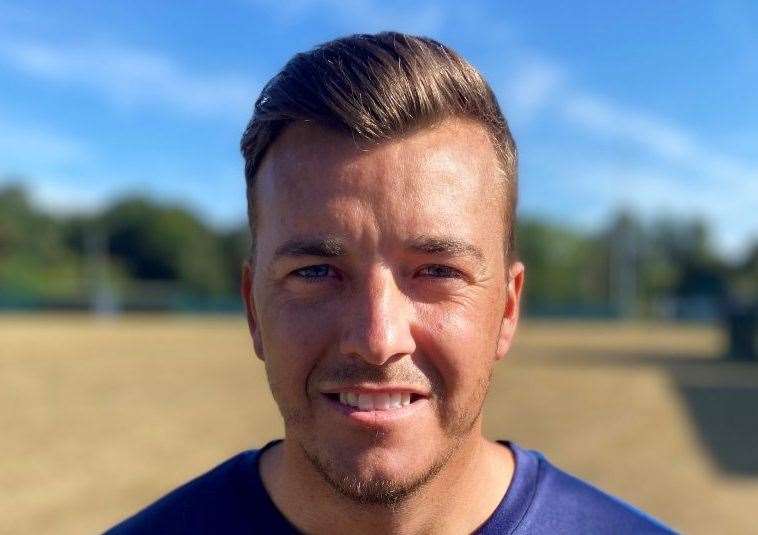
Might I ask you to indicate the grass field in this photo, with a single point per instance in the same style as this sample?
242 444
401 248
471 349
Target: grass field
100 417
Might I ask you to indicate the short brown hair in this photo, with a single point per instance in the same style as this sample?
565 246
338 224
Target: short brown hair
377 88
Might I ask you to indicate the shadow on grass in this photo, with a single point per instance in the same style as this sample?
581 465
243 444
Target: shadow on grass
727 420
721 397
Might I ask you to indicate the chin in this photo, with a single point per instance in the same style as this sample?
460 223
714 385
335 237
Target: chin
377 474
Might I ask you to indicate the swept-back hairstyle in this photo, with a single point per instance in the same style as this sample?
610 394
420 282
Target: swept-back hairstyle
377 88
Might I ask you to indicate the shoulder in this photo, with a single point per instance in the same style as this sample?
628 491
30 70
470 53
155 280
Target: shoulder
227 499
563 503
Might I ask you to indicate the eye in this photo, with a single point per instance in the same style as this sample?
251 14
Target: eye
442 272
314 273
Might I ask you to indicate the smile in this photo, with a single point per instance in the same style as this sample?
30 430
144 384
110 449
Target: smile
382 401
377 406
374 401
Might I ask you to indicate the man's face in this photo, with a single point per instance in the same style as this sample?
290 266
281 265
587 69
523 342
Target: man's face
379 298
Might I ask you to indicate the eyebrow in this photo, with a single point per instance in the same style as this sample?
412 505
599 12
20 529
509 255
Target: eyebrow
324 247
444 245
334 247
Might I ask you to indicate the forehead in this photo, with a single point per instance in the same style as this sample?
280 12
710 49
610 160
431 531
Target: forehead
433 180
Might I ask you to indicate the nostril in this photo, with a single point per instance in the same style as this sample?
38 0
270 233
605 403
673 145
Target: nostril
333 397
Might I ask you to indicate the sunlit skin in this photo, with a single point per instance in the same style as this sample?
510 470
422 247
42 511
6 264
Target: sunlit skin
381 268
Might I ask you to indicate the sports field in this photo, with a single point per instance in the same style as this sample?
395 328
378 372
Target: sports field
101 416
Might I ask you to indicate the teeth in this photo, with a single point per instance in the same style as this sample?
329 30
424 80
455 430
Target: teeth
376 402
365 402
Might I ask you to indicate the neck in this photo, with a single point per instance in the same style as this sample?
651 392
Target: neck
458 500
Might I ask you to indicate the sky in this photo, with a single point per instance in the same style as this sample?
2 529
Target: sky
647 106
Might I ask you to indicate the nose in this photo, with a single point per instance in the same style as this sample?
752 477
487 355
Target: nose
377 324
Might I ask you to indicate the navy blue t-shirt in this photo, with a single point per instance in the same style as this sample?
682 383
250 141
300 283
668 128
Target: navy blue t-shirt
541 499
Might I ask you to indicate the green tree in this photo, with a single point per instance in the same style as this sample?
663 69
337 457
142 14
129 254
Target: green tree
165 243
560 266
34 259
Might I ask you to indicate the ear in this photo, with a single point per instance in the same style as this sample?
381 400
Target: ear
511 312
248 277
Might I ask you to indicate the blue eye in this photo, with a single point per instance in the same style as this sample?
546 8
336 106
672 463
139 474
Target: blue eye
436 271
313 272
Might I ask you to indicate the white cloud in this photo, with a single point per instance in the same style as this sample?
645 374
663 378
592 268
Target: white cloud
25 144
538 83
662 139
28 149
673 170
533 84
131 77
608 119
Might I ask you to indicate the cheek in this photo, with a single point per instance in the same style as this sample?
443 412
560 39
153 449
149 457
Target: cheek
459 342
295 336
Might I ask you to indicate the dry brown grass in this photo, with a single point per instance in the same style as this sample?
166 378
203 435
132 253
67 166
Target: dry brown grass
100 417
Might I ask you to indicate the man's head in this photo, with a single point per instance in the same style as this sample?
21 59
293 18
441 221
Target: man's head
376 88
381 289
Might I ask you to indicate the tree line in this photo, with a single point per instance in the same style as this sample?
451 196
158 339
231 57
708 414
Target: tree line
141 253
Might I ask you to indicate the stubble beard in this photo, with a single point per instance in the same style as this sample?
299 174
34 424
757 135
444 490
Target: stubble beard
391 493
379 491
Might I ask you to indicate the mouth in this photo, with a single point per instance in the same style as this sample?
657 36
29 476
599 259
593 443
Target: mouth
364 401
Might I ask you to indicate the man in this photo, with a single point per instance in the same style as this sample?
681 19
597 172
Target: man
381 289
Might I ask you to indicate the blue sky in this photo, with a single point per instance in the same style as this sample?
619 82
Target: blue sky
646 105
